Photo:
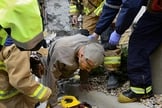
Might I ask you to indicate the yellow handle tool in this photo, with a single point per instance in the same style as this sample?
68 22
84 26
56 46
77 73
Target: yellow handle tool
69 101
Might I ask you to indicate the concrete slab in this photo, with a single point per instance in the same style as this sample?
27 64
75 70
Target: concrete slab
97 99
100 99
42 105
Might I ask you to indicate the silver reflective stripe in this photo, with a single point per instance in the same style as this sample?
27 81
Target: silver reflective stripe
112 6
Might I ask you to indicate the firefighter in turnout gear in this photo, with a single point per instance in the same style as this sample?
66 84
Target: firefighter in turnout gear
18 18
90 9
145 39
18 88
112 62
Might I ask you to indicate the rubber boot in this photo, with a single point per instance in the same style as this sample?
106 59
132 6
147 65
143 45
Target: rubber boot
112 82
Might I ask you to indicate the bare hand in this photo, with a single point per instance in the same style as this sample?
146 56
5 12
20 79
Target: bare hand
85 86
75 20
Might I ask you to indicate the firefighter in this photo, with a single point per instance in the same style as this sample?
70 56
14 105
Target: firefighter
124 19
112 62
18 88
90 9
65 56
18 18
146 37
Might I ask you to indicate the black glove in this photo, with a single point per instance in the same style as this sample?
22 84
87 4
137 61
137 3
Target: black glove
84 32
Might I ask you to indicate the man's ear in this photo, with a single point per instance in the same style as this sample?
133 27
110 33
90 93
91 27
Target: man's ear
81 53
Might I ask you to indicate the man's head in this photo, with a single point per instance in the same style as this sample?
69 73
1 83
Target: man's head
91 56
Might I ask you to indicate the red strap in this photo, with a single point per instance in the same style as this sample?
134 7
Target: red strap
156 5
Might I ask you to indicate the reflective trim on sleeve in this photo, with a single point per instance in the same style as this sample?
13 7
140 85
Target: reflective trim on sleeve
141 90
2 66
99 9
112 6
39 92
73 9
8 94
86 10
112 60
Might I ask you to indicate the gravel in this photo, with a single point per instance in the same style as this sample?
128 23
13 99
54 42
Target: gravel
99 84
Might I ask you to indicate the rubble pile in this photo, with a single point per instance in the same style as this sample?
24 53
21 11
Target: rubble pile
99 84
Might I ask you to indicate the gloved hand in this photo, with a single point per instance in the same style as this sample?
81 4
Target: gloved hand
114 38
93 36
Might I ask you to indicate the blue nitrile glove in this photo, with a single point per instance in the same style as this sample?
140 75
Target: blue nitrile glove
93 37
9 41
114 38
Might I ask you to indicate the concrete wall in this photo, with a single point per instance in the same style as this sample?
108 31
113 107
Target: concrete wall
58 20
156 63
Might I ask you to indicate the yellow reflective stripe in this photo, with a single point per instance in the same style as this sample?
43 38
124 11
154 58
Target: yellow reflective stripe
39 92
86 10
8 94
141 90
2 66
73 9
112 60
99 9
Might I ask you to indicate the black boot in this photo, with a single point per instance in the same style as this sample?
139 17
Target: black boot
112 82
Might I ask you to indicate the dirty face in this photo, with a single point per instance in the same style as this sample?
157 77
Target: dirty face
85 63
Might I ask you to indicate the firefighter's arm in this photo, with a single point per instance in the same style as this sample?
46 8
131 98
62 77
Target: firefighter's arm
73 8
98 10
74 12
20 76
